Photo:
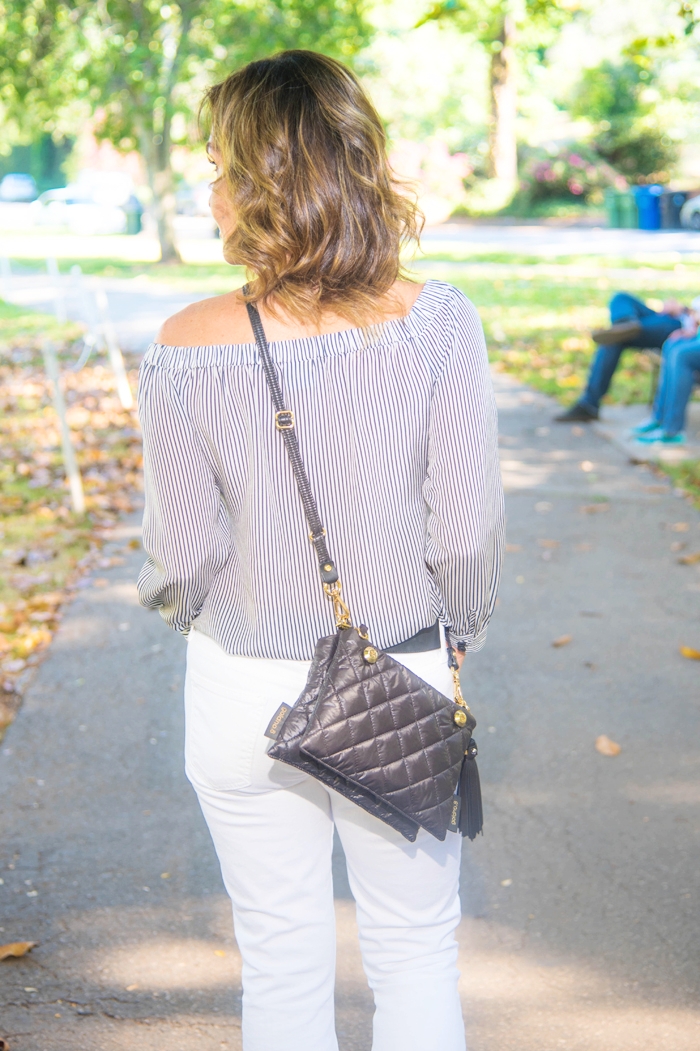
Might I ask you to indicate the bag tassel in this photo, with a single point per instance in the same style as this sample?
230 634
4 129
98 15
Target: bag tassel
471 817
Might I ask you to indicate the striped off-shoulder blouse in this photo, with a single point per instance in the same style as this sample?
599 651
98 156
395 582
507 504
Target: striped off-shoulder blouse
397 427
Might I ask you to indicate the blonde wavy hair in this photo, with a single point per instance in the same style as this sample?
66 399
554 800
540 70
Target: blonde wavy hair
320 218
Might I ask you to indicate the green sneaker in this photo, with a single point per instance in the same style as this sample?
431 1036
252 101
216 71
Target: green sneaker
645 428
659 435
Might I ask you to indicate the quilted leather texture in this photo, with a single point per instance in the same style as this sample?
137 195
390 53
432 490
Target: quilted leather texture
286 747
386 736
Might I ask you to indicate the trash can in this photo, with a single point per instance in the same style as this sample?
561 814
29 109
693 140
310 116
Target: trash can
647 198
629 213
612 207
133 209
671 202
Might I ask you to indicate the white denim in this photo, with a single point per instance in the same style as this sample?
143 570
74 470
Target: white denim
272 827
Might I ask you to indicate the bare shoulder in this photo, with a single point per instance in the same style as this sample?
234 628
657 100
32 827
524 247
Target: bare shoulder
407 293
221 319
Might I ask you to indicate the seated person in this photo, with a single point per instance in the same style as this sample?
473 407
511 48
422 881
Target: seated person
680 370
633 325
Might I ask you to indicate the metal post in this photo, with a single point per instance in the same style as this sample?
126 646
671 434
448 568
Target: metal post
59 296
69 461
115 355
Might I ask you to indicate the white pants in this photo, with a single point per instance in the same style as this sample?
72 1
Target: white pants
272 827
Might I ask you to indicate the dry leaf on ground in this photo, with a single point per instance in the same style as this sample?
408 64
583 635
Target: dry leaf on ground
690 653
689 560
16 949
680 527
563 640
605 746
593 509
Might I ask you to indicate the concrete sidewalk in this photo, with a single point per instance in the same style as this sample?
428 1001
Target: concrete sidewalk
581 918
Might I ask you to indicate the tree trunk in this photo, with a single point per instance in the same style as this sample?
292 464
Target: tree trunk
504 107
155 150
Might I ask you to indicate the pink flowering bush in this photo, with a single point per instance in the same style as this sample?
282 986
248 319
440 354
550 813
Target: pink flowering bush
574 172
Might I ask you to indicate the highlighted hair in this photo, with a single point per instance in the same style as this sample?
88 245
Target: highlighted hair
320 218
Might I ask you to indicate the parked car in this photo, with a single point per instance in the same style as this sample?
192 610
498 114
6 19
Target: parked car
193 200
74 206
18 187
690 213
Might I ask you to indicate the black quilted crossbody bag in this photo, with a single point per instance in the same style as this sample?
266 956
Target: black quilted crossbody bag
364 724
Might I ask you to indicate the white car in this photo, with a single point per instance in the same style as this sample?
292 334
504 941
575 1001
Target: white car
690 213
74 208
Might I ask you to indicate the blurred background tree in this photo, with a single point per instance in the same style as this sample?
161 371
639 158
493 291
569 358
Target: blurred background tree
140 67
496 25
480 97
620 102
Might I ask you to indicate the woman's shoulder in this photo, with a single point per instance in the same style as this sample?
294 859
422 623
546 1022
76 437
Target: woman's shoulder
209 322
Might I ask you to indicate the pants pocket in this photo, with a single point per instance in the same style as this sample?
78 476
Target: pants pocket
221 731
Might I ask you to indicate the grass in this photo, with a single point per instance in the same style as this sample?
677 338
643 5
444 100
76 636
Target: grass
686 476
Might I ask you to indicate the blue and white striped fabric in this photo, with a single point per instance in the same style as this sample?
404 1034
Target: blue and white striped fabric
397 427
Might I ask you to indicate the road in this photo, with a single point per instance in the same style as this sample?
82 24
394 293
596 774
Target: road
581 917
138 307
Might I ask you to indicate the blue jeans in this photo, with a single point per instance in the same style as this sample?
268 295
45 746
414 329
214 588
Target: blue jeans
656 328
679 372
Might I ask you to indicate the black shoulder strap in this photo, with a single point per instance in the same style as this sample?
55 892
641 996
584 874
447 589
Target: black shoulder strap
285 424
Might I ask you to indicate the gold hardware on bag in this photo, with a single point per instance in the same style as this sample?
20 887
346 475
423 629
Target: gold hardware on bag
341 611
460 717
370 654
363 631
459 699
284 420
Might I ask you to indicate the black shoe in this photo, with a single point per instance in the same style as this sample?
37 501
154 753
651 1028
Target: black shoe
578 413
620 332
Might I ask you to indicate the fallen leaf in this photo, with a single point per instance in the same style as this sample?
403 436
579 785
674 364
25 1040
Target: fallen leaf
586 466
512 548
563 640
548 543
593 509
16 949
680 527
689 560
100 582
690 653
605 746
506 882
130 988
134 544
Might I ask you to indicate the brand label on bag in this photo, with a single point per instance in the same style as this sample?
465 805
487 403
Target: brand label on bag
277 721
453 823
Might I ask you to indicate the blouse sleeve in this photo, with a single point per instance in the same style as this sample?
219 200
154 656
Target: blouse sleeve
185 530
463 491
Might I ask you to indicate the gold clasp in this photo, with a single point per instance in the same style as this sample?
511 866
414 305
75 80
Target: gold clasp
459 699
341 611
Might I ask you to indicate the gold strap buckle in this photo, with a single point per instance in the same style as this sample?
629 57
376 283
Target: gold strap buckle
341 611
459 699
284 420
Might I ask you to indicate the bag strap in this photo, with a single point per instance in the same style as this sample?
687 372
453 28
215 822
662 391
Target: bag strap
286 425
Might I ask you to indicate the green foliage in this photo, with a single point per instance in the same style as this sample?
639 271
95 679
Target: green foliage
141 63
538 20
615 98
